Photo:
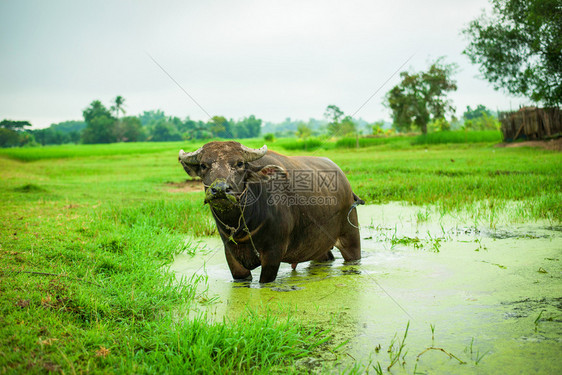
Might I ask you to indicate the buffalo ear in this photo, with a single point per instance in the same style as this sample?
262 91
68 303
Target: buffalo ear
191 169
269 172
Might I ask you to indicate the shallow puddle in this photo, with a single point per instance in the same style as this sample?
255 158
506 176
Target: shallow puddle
492 298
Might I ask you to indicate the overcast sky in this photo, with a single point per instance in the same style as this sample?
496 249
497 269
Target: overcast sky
273 59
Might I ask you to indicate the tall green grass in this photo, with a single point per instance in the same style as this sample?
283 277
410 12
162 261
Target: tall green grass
457 178
92 292
252 344
181 216
396 142
444 137
460 136
85 279
292 144
75 151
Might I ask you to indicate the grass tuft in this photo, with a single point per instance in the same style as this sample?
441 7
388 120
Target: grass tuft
29 188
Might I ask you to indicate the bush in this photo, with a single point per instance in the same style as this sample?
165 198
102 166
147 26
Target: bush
485 122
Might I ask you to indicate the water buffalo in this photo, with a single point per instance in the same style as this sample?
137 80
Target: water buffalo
270 208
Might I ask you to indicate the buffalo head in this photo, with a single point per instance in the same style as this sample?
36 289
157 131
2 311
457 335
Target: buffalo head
226 169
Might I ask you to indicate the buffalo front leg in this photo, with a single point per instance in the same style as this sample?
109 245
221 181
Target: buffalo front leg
238 271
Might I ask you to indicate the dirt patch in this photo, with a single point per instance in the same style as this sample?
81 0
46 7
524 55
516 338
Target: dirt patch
186 186
553 144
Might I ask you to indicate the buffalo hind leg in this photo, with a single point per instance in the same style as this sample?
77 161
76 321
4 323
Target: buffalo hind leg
349 241
238 271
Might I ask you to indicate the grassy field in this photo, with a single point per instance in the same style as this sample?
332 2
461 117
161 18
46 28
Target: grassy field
88 234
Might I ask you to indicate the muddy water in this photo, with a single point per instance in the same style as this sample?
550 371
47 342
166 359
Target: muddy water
490 297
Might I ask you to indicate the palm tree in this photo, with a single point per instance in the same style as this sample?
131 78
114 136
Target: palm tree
118 106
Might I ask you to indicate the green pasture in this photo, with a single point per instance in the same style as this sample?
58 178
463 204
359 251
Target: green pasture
89 232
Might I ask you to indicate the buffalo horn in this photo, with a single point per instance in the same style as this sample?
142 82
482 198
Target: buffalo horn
189 157
252 154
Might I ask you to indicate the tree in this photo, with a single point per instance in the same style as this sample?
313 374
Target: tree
63 132
96 109
339 124
164 131
484 122
100 129
194 129
69 126
100 125
150 117
248 127
50 136
519 48
220 127
14 125
422 97
303 131
439 125
8 137
480 118
129 129
333 114
347 126
13 133
377 128
479 111
119 103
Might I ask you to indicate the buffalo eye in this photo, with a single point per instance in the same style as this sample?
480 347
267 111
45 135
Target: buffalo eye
240 164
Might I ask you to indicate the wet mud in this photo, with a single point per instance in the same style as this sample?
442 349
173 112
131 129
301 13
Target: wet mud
491 297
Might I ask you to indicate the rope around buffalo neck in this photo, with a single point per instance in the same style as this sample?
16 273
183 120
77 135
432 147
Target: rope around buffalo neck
241 218
256 253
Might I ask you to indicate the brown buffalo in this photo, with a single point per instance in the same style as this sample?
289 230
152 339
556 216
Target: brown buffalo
270 208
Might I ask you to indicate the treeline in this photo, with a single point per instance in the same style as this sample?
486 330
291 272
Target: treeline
103 125
110 125
340 125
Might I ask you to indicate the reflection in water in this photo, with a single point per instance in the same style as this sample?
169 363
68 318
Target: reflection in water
444 274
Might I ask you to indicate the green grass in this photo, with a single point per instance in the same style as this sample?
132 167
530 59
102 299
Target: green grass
460 136
400 142
458 178
87 240
110 150
85 247
300 144
394 142
75 151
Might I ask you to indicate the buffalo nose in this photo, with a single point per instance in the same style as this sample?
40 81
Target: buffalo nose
220 187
